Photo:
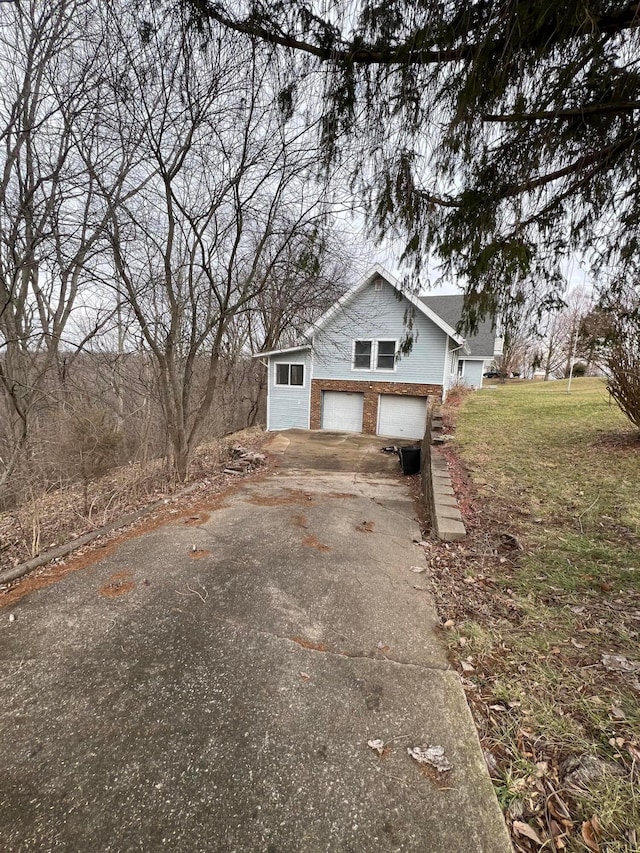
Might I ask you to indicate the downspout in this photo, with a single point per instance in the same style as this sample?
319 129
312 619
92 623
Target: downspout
266 364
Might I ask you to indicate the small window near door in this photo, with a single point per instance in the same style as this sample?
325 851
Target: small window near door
362 355
386 355
460 368
290 374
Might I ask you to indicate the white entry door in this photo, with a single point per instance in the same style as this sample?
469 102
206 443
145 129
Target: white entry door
342 411
402 417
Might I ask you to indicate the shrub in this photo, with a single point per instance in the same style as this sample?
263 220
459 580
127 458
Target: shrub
612 331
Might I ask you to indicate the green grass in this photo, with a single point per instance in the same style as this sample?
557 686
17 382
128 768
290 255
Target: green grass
561 473
562 468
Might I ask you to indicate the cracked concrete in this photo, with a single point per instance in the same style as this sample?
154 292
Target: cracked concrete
224 703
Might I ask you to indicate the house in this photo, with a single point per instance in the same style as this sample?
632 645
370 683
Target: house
369 363
481 348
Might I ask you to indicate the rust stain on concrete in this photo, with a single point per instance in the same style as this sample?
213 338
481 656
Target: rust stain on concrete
309 644
311 542
118 584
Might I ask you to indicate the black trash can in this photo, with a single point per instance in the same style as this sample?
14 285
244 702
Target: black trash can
410 459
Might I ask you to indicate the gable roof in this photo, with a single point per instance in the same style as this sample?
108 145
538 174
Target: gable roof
482 343
374 272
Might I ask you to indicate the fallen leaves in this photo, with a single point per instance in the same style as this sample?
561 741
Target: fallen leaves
434 756
431 757
619 663
60 514
521 828
590 831
376 745
546 799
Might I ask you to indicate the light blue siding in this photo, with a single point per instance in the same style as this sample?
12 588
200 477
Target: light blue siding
289 404
472 374
380 315
452 365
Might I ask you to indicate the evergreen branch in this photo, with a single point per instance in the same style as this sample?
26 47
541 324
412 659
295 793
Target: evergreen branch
402 54
437 200
407 53
587 110
584 162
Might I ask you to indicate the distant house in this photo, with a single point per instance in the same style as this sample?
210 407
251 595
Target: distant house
369 363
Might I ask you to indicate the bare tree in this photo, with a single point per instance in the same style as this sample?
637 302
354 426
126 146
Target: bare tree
559 333
51 217
517 327
313 271
223 188
612 331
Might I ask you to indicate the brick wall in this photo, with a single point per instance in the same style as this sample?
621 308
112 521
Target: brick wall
371 391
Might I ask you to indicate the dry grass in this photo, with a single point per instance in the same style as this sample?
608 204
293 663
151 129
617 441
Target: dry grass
58 515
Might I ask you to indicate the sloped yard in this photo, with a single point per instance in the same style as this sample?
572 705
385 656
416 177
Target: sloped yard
65 512
541 608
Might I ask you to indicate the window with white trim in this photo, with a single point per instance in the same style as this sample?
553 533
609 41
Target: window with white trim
374 355
386 355
290 374
362 352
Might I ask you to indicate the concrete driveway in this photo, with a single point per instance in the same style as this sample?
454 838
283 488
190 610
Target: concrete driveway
319 450
213 685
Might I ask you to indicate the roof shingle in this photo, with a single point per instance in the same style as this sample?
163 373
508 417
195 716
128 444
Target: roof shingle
449 308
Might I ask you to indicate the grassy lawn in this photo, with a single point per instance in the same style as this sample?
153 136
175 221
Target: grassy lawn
542 603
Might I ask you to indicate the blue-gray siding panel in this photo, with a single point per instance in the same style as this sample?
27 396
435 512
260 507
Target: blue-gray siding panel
380 316
472 374
289 404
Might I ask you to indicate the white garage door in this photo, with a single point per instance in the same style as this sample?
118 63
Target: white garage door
342 411
402 417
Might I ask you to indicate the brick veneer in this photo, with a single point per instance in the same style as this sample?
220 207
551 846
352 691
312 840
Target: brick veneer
371 391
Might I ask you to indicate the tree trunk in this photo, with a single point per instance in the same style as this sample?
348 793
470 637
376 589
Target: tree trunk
181 454
259 403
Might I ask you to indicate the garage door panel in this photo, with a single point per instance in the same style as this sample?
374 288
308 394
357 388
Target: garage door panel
402 417
342 411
